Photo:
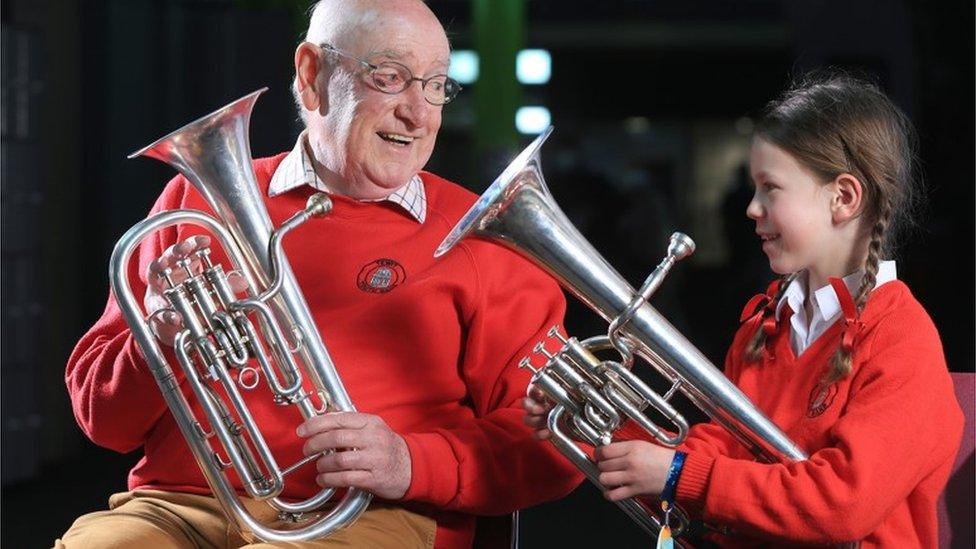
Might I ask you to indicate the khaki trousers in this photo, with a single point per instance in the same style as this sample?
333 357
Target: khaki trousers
157 519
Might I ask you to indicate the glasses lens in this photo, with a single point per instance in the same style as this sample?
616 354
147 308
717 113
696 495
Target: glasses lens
440 89
391 77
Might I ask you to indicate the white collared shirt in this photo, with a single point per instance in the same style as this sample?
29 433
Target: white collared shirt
826 305
296 170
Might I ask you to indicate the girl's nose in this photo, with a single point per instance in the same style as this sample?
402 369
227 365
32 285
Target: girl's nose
754 209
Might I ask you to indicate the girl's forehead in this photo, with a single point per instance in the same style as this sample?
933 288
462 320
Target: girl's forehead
767 160
765 155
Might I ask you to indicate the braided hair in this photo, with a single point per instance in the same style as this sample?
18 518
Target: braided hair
757 342
834 124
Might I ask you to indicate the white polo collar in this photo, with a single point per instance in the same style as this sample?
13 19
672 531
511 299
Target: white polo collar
826 305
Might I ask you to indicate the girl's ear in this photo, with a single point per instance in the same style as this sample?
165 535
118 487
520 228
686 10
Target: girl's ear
848 196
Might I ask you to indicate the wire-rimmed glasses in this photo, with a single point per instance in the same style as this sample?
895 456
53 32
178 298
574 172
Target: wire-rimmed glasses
392 78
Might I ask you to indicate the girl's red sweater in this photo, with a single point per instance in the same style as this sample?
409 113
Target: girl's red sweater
881 441
435 356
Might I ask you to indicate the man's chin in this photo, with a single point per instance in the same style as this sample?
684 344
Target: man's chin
380 188
392 180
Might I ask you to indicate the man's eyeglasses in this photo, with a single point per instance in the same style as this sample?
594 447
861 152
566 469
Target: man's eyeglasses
392 78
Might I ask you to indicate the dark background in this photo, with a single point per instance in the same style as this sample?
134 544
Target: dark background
652 103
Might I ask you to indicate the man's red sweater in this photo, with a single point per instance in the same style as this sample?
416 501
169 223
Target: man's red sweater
434 356
881 442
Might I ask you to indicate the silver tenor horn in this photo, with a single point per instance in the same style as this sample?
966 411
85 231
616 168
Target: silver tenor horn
592 396
220 340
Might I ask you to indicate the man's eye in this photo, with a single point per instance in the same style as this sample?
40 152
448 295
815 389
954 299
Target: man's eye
387 79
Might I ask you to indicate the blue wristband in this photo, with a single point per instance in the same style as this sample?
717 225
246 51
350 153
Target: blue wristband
674 472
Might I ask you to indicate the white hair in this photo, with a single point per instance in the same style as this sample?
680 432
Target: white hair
331 21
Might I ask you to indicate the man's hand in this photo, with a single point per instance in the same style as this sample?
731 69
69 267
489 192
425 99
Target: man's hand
366 453
167 324
633 468
537 407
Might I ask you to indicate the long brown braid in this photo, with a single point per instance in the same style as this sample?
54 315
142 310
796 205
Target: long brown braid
754 349
834 124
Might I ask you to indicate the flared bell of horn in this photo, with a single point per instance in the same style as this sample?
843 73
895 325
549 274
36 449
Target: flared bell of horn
214 153
522 173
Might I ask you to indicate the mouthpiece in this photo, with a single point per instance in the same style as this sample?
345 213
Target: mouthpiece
320 204
681 246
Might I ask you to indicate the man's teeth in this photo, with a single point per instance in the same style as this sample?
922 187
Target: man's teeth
396 138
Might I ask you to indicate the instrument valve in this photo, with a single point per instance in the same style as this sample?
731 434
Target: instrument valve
166 274
204 255
541 349
527 363
185 264
554 332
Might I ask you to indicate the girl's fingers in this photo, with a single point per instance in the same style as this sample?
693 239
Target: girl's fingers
615 464
612 450
615 479
617 494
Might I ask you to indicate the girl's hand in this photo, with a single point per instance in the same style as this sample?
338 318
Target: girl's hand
633 468
537 407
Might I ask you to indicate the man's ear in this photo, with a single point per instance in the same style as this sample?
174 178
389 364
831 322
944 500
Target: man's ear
848 195
306 75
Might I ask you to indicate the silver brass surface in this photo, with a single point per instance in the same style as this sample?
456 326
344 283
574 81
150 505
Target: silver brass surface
220 338
593 396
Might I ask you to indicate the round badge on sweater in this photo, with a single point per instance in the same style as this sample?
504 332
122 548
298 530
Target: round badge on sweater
380 276
820 399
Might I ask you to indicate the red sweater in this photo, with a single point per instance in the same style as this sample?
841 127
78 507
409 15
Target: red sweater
434 356
881 442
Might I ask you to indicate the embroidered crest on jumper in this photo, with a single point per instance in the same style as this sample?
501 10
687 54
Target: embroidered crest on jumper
381 276
820 399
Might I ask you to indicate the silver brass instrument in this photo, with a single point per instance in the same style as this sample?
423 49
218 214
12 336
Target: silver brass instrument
219 340
592 396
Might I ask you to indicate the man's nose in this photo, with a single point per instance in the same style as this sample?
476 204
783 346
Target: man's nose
413 107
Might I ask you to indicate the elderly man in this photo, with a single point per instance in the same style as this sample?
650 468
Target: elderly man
426 348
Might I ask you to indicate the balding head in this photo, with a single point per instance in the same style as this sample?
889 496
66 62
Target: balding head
343 23
367 142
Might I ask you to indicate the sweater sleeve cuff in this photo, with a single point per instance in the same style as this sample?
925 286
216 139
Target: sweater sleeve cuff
694 479
433 469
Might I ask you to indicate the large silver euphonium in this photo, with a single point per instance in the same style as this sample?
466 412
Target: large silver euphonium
592 396
219 341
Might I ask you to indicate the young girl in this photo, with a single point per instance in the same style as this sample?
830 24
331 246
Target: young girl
838 353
